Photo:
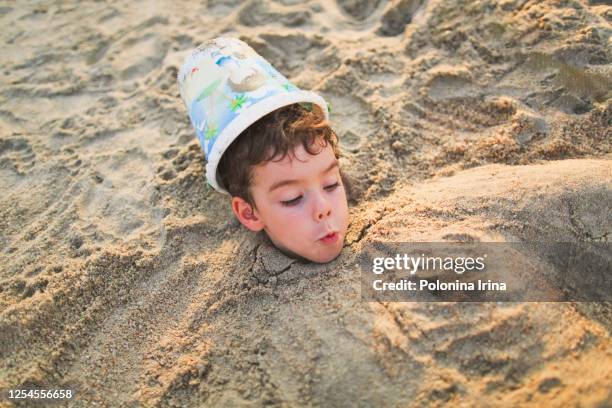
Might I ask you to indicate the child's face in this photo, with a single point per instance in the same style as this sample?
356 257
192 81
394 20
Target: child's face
301 204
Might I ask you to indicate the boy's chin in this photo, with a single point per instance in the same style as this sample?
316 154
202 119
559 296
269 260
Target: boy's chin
316 258
328 255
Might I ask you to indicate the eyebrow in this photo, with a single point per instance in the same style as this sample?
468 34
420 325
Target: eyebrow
282 183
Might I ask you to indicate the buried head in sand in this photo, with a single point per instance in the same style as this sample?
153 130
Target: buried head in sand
269 145
298 198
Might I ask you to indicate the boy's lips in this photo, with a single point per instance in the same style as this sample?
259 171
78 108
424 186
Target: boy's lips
329 238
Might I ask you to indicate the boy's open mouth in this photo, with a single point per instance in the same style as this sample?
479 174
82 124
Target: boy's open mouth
329 238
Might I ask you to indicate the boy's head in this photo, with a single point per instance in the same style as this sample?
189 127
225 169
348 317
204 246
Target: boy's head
269 145
284 178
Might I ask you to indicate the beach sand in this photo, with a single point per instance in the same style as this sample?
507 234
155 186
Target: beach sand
125 278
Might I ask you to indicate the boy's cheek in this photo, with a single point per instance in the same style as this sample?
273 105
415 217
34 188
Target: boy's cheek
287 217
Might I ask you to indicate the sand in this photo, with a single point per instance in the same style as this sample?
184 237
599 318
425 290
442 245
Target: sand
123 277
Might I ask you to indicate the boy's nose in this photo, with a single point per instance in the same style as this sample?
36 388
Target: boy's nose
322 208
323 214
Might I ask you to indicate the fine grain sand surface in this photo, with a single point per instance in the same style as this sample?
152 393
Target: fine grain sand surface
123 277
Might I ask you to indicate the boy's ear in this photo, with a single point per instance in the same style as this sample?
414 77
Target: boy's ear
246 215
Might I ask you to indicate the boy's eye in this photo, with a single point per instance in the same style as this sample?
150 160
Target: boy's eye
289 203
296 200
332 186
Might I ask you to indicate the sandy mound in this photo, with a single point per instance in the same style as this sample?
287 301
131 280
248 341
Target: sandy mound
124 277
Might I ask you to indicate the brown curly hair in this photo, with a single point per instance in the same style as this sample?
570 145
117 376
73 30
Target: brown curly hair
274 135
